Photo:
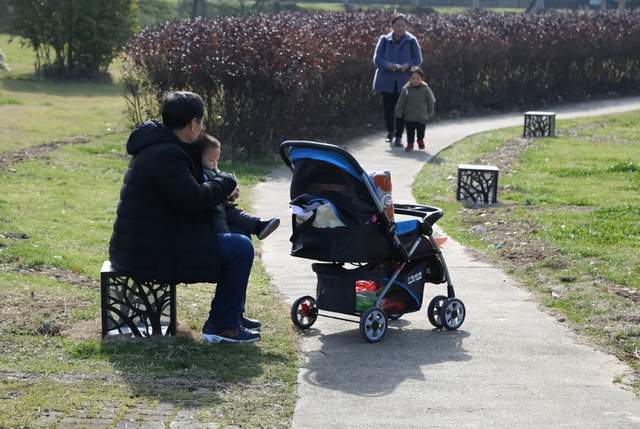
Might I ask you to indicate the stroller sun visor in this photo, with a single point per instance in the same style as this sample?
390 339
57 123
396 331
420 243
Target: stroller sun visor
333 158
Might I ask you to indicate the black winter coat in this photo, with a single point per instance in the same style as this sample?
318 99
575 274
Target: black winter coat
163 228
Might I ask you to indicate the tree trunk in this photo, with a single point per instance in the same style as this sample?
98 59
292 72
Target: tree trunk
194 11
70 35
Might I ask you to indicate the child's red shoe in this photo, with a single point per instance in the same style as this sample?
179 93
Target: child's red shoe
421 144
409 147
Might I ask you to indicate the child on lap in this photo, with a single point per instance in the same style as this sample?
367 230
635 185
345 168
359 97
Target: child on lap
228 217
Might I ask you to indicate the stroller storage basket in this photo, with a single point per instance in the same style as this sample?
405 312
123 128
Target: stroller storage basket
336 286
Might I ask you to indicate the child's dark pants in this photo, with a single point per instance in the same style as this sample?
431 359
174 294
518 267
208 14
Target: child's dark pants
240 222
412 128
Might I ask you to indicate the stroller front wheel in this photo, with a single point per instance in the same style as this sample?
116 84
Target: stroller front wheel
373 324
304 312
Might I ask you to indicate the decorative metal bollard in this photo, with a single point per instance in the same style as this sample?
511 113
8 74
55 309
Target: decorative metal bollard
477 183
539 124
133 308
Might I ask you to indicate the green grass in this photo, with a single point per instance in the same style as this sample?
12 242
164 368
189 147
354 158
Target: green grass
321 6
250 386
575 196
34 111
58 212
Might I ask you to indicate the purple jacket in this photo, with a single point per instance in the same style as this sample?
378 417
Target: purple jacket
388 51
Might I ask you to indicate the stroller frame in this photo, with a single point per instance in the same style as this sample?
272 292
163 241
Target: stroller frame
444 311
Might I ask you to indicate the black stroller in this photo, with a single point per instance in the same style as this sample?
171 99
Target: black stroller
338 218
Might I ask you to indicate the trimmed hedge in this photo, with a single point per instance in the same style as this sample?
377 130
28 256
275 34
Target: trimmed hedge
291 75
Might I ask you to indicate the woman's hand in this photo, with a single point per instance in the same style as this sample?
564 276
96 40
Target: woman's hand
234 195
405 67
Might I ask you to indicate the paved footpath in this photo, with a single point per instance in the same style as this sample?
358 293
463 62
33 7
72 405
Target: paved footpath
510 365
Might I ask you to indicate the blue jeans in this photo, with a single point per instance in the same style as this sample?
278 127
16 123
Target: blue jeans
236 254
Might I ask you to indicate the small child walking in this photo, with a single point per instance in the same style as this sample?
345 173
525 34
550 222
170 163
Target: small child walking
416 105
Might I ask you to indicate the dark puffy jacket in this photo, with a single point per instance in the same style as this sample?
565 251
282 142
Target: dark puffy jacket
163 228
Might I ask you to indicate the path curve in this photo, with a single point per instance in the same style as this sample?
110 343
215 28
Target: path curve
511 364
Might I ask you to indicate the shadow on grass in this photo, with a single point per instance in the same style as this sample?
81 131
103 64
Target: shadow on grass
179 369
68 88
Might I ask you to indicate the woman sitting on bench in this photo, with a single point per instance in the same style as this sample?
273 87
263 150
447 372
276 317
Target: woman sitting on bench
163 229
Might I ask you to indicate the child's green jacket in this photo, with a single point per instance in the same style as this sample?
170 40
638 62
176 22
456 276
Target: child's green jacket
415 103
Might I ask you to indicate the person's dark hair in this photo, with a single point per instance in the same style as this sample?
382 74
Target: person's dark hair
207 141
394 18
181 107
417 70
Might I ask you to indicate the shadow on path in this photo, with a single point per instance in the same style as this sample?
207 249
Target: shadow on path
379 369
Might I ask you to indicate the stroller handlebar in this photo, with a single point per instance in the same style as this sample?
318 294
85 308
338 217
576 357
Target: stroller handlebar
428 214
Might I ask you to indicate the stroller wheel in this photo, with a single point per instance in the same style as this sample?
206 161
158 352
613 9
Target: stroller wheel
304 312
373 324
433 310
452 313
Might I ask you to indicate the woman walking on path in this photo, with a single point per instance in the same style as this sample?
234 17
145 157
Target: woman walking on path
396 53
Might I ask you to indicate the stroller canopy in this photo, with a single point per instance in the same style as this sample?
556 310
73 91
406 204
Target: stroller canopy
327 171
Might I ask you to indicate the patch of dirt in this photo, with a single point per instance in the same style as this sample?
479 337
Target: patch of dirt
624 292
191 383
514 239
507 155
14 235
60 275
84 330
38 313
92 329
40 151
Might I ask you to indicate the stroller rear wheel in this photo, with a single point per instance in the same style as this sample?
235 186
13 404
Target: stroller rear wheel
373 324
304 312
433 310
452 313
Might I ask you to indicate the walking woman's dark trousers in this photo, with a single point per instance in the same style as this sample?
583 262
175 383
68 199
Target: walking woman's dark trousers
394 125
